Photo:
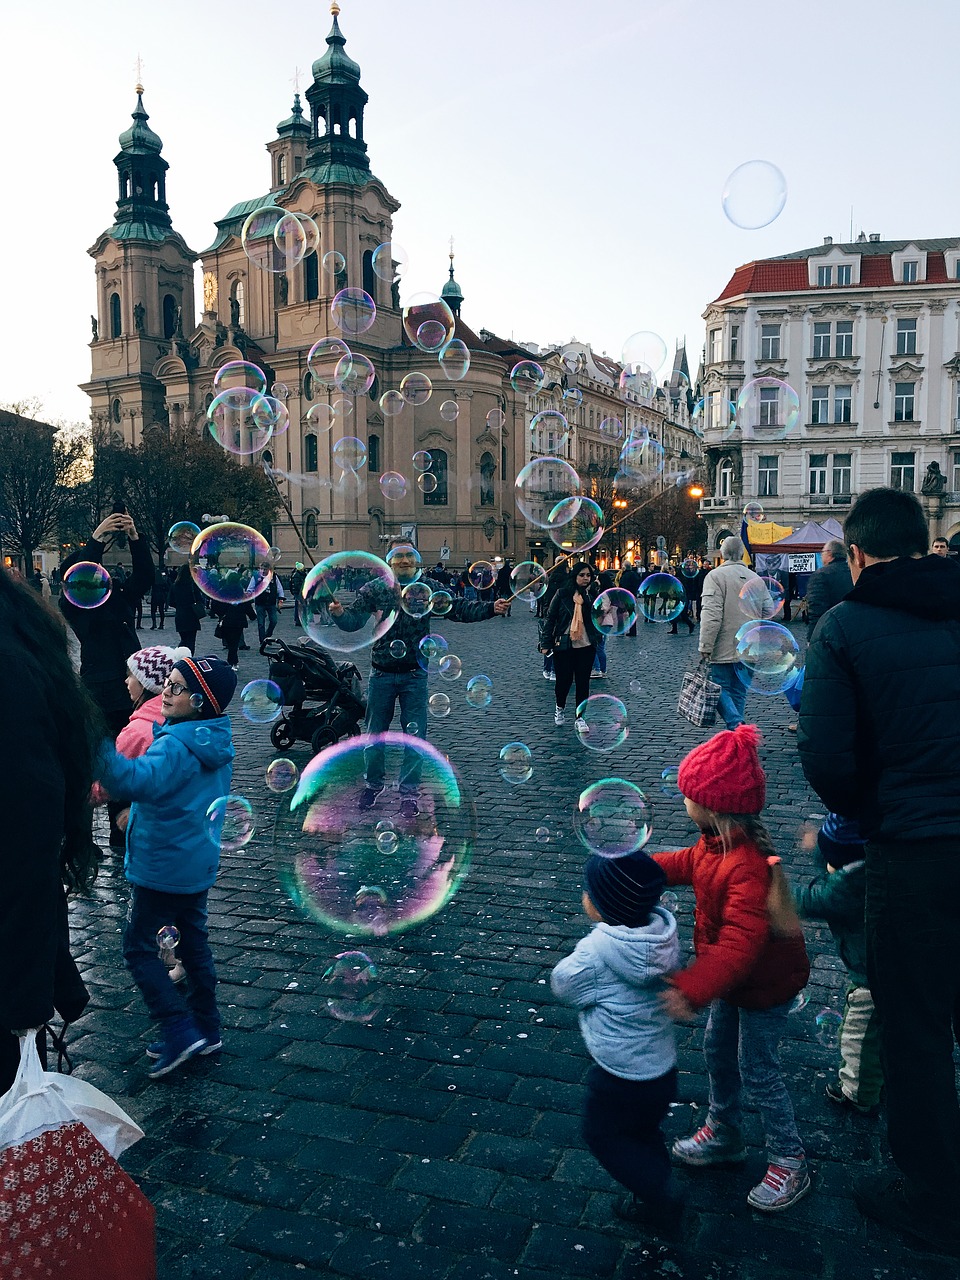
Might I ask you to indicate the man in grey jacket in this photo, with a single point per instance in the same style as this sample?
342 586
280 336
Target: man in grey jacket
721 617
829 585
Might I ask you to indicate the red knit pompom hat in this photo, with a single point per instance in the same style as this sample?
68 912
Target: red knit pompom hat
724 773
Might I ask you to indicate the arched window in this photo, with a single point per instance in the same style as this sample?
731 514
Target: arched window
267 457
281 170
310 529
369 276
116 410
724 533
308 386
311 277
486 480
116 322
438 468
310 454
373 453
236 297
169 315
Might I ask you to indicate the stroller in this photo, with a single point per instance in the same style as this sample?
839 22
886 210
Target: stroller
307 674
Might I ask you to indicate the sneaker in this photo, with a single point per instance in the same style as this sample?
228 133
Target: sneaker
834 1092
598 675
782 1186
211 1044
369 797
181 1042
558 716
409 807
884 1199
548 675
709 1146
581 727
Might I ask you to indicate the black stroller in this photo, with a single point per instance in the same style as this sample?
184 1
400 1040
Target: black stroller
307 674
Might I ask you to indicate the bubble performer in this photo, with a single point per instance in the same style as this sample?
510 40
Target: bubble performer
399 680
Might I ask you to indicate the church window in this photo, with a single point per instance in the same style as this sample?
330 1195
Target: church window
281 170
169 315
236 295
310 529
373 453
438 468
369 277
116 321
311 277
486 480
309 453
116 410
308 386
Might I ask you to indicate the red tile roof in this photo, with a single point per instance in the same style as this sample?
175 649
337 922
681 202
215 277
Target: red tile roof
790 275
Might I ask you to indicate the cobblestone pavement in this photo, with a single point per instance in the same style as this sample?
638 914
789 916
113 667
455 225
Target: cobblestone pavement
443 1141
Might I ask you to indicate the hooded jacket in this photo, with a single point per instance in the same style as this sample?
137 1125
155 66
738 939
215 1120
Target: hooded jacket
188 766
135 737
721 616
879 727
614 978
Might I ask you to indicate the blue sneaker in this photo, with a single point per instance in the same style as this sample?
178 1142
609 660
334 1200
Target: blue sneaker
211 1044
181 1041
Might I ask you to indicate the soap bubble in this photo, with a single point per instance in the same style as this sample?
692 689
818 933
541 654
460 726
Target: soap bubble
323 360
273 239
828 1023
669 900
422 461
637 383
181 535
689 569
799 1002
641 461
326 845
229 823
278 414
416 388
392 403
333 262
353 311
611 429
241 421
239 373
168 937
613 817
516 763
769 657
354 375
282 775
644 350
661 597
350 453
432 335
86 585
393 485
549 431
541 486
527 377
261 701
754 194
635 686
669 783
451 667
767 408
416 599
753 513
406 562
482 575
367 589
431 649
602 723
581 532
231 562
574 396
398 649
424 307
761 598
389 261
573 361
350 988
542 835
290 240
441 602
311 234
427 482
528 580
387 841
320 417
615 611
438 704
449 411
479 691
454 360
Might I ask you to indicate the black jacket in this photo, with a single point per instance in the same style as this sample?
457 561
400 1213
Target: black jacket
879 728
184 594
827 587
560 615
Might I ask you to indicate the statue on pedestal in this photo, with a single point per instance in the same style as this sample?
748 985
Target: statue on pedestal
934 482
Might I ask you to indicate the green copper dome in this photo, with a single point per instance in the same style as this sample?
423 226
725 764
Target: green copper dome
295 123
335 67
140 139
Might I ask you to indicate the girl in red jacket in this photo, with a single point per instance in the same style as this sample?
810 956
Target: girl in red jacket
746 969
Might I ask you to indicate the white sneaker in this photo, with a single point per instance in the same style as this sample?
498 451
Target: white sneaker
558 716
783 1185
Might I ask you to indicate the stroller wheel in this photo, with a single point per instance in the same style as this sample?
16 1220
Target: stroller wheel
323 738
282 735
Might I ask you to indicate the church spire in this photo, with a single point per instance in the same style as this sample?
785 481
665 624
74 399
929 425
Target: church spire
451 293
142 172
336 106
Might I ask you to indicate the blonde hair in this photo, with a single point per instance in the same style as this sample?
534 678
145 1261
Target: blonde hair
781 907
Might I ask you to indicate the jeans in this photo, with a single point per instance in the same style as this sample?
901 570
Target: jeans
621 1127
600 659
149 911
740 1047
913 963
570 665
733 691
384 690
268 615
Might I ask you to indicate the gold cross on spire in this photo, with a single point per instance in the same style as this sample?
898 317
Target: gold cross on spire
139 66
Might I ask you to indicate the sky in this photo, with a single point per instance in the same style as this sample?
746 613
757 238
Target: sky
576 152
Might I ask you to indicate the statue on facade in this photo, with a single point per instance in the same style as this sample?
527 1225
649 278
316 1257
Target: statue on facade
934 482
235 313
284 286
95 328
139 315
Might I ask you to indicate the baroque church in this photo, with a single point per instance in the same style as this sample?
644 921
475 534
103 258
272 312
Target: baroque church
154 362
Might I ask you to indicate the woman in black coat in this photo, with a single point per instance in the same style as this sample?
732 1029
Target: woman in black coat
188 603
570 634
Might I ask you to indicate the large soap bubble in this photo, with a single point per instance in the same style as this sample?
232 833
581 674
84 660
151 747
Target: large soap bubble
273 239
367 589
754 194
231 562
542 485
767 408
615 611
86 585
328 852
454 360
661 597
424 316
613 817
239 373
761 598
580 533
770 657
529 581
602 722
241 420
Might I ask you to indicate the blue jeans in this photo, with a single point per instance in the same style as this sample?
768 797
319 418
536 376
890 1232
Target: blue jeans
740 1047
600 657
267 618
731 676
384 690
150 910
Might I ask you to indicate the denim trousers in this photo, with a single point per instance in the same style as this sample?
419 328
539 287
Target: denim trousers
621 1127
384 690
600 658
741 1048
149 911
731 677
913 964
267 618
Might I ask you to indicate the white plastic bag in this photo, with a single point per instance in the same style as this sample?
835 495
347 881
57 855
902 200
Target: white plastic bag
39 1100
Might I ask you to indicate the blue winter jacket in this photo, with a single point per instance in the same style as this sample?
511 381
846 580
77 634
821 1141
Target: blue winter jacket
187 767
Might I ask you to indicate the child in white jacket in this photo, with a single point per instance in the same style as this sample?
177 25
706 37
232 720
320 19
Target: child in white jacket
614 978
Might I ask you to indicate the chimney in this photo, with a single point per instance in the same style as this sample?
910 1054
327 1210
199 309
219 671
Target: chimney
861 238
828 239
874 237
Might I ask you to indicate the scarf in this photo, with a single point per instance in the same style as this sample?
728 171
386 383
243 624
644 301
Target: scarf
576 626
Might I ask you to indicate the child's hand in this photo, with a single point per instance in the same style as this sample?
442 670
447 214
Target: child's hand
123 817
677 1005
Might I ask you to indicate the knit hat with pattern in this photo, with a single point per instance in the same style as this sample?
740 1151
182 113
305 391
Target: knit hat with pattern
152 665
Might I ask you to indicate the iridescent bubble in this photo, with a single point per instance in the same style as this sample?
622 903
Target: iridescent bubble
432 336
451 667
669 900
614 611
389 261
273 239
353 311
431 649
573 361
542 835
231 562
416 599
799 1002
442 602
279 414
449 411
239 373
580 533
613 817
527 377
393 485
541 486
479 692
282 775
549 431
323 360
416 388
602 723
661 597
754 194
240 420
689 568
828 1023
351 989
454 360
392 403
350 453
290 240
438 704
342 406
427 482
637 383
422 461
333 262
769 657
644 350
635 686
387 841
611 429
573 396
311 234
398 649
261 701
180 536
405 561
761 598
424 307
495 419
364 585
320 417
669 783
529 581
767 408
229 823
641 460
753 513
482 575
168 938
355 375
516 763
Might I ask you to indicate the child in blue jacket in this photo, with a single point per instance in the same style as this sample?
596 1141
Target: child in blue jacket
615 978
172 855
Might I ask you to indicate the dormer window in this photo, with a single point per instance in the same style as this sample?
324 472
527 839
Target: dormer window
824 277
844 274
909 271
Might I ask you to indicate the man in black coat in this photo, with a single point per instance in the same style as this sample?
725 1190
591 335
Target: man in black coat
829 585
879 739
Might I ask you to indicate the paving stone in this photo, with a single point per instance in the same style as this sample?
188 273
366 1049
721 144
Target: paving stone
365 1254
497 1234
524 1156
410 1137
290 1236
449 1180
572 1252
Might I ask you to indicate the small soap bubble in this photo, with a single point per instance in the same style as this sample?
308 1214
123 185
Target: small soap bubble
761 598
387 841
769 657
669 784
602 723
282 775
354 376
451 668
350 453
370 592
516 763
612 818
323 360
527 377
542 835
767 408
449 411
644 350
528 581
239 373
828 1024
753 513
548 432
86 585
495 419
689 568
241 421
416 388
441 602
261 701
432 649
389 261
479 691
542 485
393 486
454 360
635 686
573 396
168 937
181 535
273 239
615 611
754 194
611 429
229 823
422 309
320 417
661 598
438 704
422 460
482 575
669 900
432 335
416 599
333 262
427 482
579 533
351 989
392 403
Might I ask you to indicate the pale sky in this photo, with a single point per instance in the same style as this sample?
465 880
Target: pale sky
576 151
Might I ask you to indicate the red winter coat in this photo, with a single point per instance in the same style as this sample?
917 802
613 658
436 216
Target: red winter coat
737 957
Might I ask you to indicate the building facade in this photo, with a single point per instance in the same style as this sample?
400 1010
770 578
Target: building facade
867 334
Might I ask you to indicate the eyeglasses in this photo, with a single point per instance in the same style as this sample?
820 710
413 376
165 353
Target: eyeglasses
173 687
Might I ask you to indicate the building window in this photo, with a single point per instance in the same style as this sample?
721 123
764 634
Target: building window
311 277
769 407
716 346
818 474
821 340
824 277
309 453
369 275
438 468
767 476
903 401
956 472
819 405
725 480
844 275
373 453
734 342
713 409
844 339
487 492
116 321
169 315
281 170
906 337
842 403
236 295
769 342
909 271
902 471
310 529
116 411
842 466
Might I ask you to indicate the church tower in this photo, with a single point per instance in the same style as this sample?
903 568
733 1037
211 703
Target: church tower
144 290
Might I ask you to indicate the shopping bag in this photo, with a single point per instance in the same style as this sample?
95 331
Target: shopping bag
699 697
